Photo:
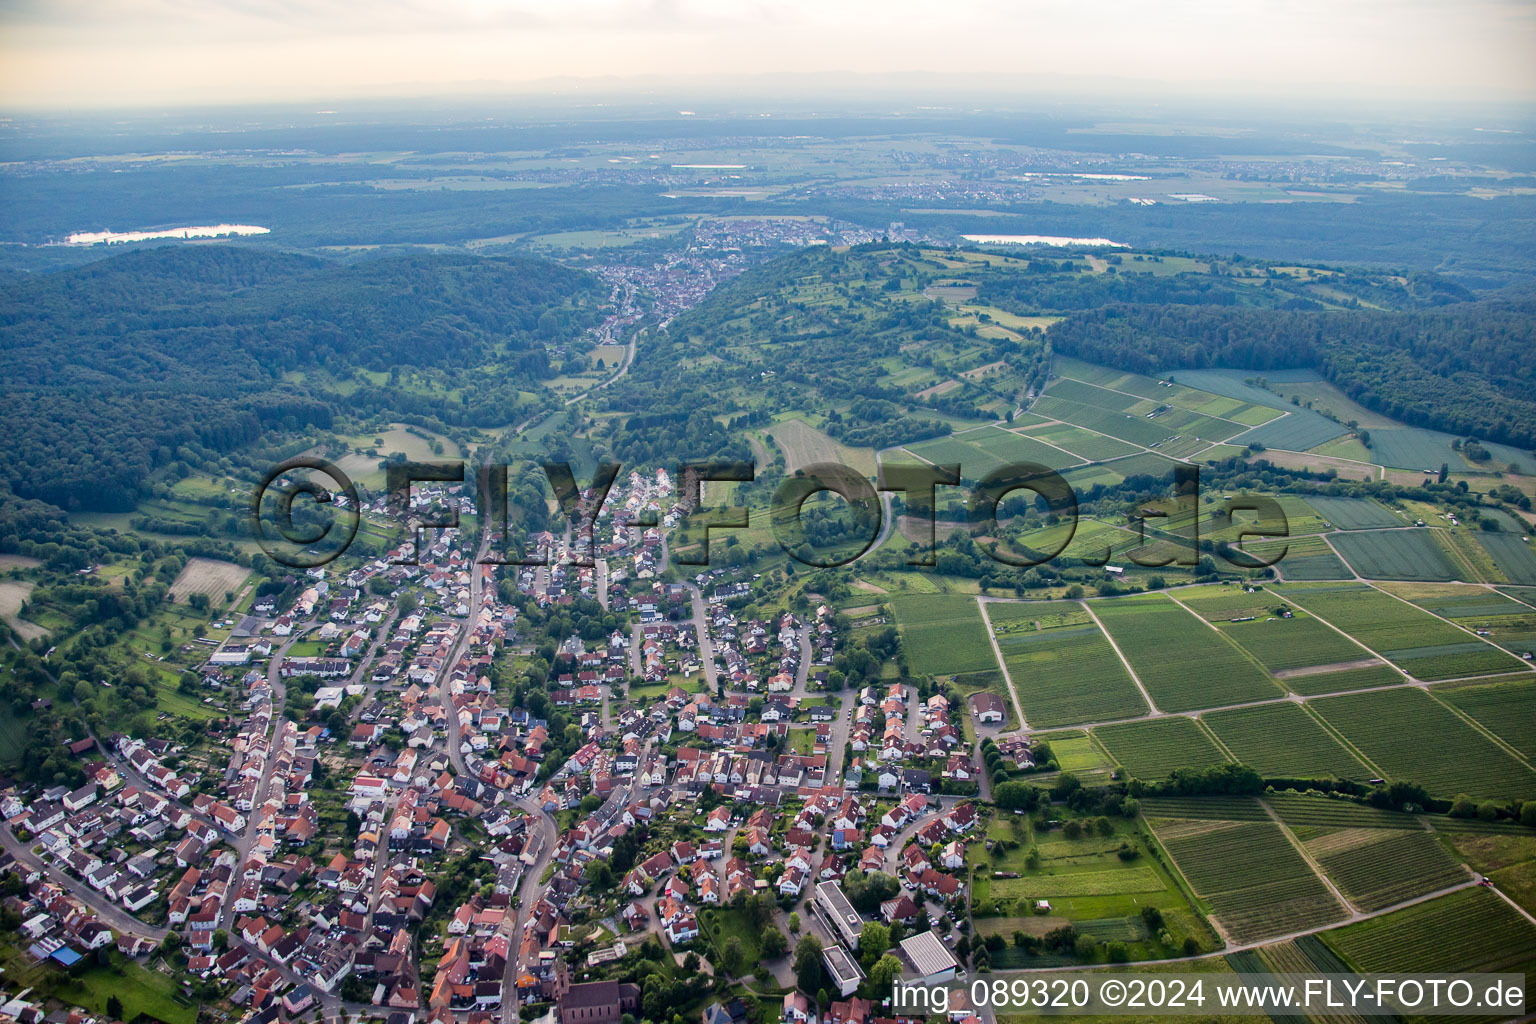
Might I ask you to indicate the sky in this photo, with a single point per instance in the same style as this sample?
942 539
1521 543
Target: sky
80 54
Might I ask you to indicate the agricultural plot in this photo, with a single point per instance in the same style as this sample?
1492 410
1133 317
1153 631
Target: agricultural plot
1508 710
1296 431
974 463
1204 808
1312 811
210 577
1354 513
1183 665
1414 640
1011 446
1068 674
1305 558
1512 555
943 634
804 445
1296 644
1079 883
1282 740
1409 735
1256 883
1469 930
1376 867
1135 429
1501 619
1084 444
1153 749
1414 449
1407 554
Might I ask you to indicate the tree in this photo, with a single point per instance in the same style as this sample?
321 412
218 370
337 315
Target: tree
808 962
691 963
794 922
874 940
1528 814
731 956
1463 806
884 973
773 944
114 1007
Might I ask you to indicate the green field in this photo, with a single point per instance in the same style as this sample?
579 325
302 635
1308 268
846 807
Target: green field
1299 642
1409 735
943 634
1183 664
1376 867
1305 558
1301 810
1154 748
1469 930
1082 443
1508 710
1282 740
1513 555
1256 883
1408 554
1415 641
1064 674
1354 513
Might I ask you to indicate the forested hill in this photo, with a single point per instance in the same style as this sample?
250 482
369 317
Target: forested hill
110 368
1468 368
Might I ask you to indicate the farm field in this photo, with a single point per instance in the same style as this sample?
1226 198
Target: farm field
1085 444
943 634
1500 619
1354 513
13 594
1514 556
1303 810
1300 642
1284 740
1508 710
804 445
1154 748
210 577
1409 735
1414 640
1296 431
1407 554
1066 674
1256 883
1305 558
1469 930
1376 867
1183 665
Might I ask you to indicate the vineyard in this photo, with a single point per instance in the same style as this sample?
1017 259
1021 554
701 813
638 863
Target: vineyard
1412 639
1069 674
1184 666
943 634
1410 735
1283 740
1508 710
1376 868
1470 930
1154 748
1405 554
1255 882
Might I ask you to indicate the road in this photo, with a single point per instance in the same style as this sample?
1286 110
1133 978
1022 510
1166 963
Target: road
114 916
477 572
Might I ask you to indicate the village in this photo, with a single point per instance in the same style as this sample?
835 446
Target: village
408 828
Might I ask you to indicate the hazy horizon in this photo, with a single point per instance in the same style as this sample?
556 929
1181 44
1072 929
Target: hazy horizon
144 53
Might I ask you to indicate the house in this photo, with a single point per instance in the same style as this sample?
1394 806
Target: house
598 1002
797 1009
987 708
